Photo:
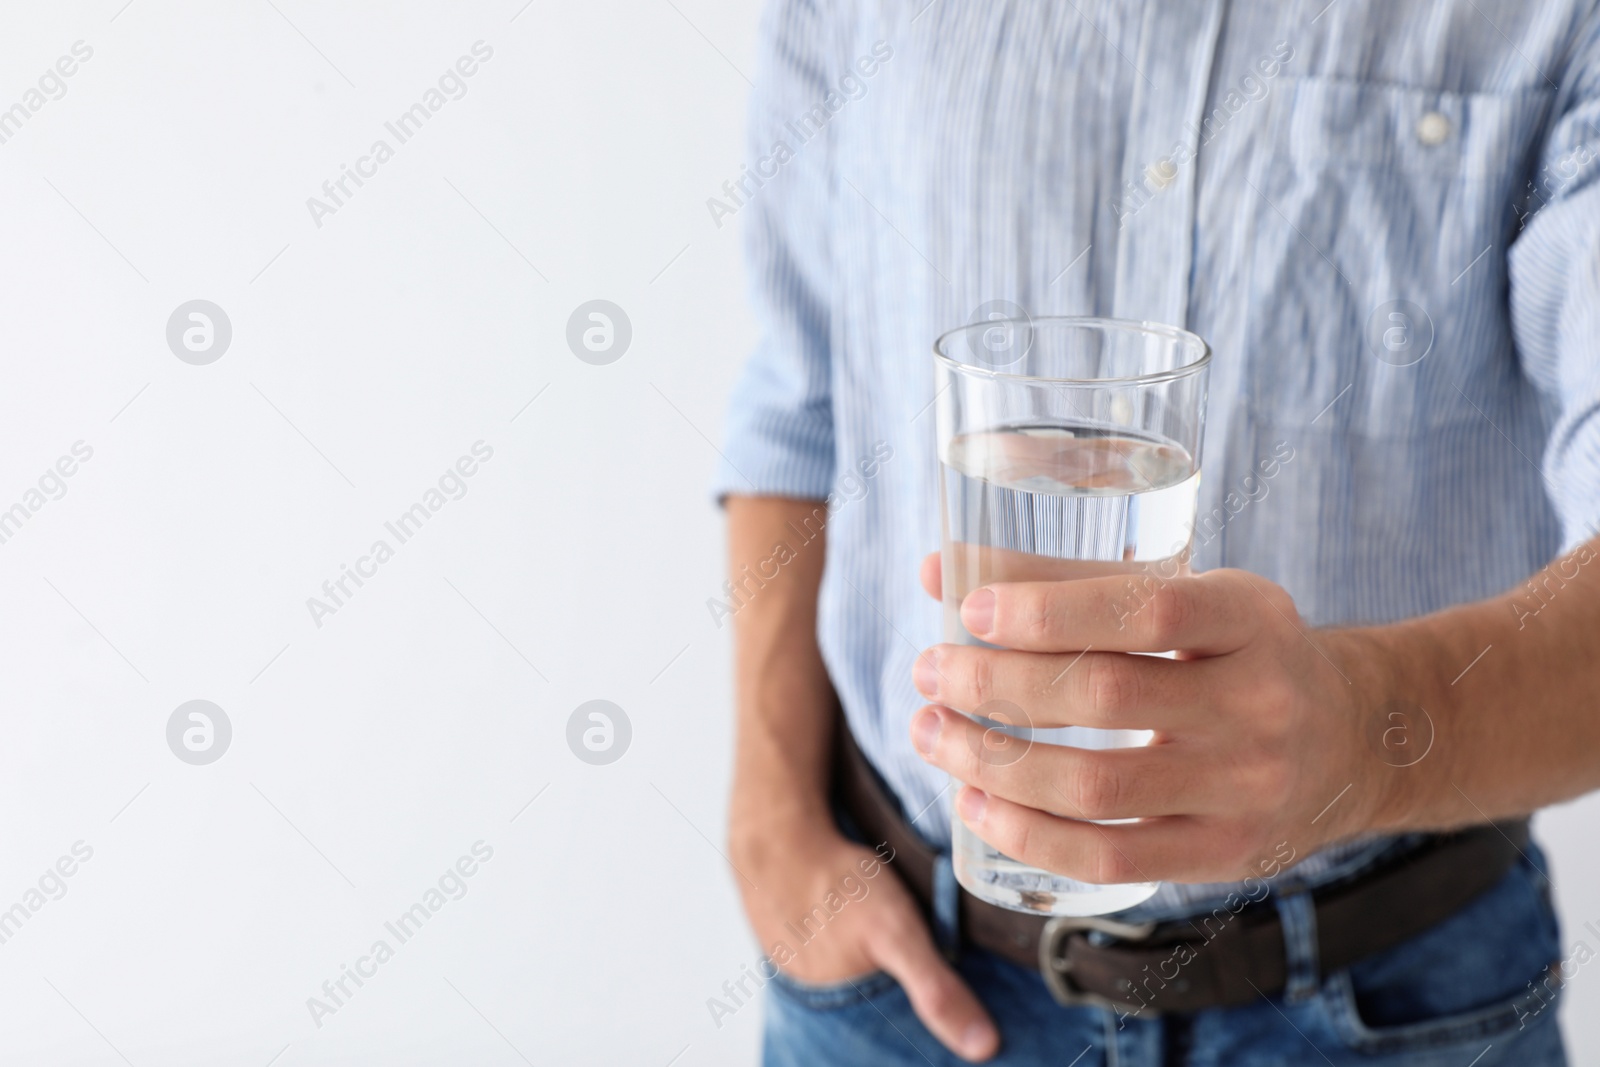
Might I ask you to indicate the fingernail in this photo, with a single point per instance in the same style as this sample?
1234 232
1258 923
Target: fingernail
977 612
925 730
925 673
971 804
976 1039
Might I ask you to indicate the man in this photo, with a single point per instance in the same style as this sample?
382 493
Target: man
1384 217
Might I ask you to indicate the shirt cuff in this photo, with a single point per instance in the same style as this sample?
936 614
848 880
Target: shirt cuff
772 452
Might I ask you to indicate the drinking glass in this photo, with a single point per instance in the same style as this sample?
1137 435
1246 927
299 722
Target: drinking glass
1068 448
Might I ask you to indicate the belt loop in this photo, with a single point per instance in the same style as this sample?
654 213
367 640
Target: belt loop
1303 970
946 906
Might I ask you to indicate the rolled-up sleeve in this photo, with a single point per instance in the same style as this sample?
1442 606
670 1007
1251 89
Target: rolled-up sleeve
1554 268
778 438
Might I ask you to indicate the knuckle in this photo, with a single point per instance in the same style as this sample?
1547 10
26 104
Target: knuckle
1033 617
977 676
1271 749
1171 611
1095 790
894 925
1110 687
1265 716
1277 695
1278 597
970 761
1244 605
939 998
1276 786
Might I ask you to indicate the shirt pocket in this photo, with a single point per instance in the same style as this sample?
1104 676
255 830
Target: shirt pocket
1380 219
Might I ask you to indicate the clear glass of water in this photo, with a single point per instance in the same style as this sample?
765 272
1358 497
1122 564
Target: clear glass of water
1068 448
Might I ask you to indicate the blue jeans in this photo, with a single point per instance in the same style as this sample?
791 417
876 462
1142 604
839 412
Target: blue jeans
1470 992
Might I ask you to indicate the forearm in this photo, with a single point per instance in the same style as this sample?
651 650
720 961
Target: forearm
783 696
1511 687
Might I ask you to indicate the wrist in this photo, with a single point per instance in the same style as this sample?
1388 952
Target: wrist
765 830
1401 707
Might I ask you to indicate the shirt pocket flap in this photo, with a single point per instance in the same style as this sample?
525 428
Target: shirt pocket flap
1334 121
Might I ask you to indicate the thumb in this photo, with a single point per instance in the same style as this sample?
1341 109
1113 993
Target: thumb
938 995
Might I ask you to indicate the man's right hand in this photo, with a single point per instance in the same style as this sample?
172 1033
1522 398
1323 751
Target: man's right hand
781 834
879 929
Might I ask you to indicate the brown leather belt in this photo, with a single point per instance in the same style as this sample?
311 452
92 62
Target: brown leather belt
1207 961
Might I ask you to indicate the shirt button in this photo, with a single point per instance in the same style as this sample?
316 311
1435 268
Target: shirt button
1433 129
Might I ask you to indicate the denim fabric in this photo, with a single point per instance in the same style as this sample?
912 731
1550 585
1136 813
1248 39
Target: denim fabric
1470 992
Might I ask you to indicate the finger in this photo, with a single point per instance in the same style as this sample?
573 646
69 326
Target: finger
1103 690
1143 612
904 948
1077 783
931 576
1175 849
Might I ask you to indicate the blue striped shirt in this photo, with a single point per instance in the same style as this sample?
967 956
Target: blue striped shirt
1382 214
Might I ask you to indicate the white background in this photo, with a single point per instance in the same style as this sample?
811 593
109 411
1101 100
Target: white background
367 355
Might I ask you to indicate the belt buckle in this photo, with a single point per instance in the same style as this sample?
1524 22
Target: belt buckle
1056 969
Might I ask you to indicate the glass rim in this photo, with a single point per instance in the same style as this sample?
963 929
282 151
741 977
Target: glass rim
1151 329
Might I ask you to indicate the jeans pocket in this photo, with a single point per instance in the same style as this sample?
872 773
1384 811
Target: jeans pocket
1465 1030
829 996
1485 974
